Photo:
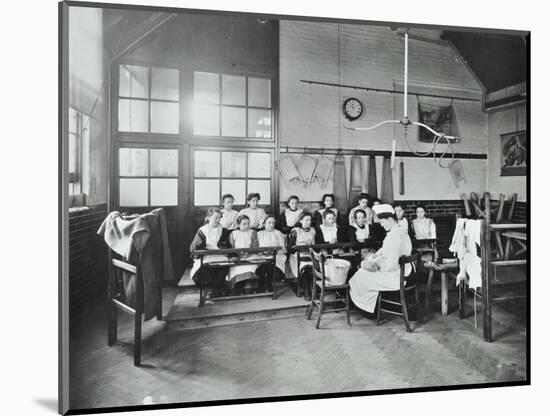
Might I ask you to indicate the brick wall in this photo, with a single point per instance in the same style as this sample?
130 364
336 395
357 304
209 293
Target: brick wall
87 259
310 115
520 212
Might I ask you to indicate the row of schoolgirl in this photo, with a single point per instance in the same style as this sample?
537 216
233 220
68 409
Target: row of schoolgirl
252 227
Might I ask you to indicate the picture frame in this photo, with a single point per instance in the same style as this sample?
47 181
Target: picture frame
513 153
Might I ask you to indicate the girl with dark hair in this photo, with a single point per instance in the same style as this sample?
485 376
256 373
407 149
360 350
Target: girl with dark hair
327 203
400 214
290 216
423 228
302 235
242 237
363 203
269 237
229 215
253 212
359 230
381 271
328 231
210 236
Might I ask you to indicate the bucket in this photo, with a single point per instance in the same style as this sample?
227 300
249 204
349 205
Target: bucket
336 271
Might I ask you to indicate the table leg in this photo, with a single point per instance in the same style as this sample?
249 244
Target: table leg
444 294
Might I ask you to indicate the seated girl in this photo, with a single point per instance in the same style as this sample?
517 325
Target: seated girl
229 215
255 214
269 237
336 270
359 232
423 228
242 237
210 236
302 235
290 216
364 205
327 203
400 214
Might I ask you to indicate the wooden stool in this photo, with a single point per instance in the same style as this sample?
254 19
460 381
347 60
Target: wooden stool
405 286
443 269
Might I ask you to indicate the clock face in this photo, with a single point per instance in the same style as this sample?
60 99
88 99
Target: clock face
353 108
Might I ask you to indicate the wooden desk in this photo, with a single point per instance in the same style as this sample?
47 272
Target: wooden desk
443 269
236 257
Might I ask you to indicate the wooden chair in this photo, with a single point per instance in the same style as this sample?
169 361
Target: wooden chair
116 303
423 247
514 237
319 282
406 284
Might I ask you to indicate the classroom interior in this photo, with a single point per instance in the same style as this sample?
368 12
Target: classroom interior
173 110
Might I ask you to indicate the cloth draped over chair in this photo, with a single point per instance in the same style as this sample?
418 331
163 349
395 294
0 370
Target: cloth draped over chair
141 239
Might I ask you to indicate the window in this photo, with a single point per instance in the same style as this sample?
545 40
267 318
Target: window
237 173
231 106
148 100
148 177
79 139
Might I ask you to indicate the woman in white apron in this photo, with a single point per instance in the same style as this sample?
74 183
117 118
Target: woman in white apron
270 237
291 216
359 231
336 270
327 203
210 236
242 237
381 270
423 229
302 236
229 215
255 214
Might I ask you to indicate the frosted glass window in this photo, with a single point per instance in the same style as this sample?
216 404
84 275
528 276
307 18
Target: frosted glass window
207 88
233 165
132 162
233 122
259 123
164 117
133 115
207 192
233 90
73 120
165 84
206 120
73 153
259 165
235 187
207 164
164 162
164 192
134 81
259 92
133 192
263 188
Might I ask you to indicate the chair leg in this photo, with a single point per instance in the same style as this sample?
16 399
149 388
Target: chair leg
462 300
404 310
202 296
347 305
310 309
419 309
379 304
159 307
428 290
500 250
137 339
321 307
112 325
508 248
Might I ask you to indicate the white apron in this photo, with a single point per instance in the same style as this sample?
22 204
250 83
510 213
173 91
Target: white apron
256 216
365 285
271 239
212 236
243 239
303 238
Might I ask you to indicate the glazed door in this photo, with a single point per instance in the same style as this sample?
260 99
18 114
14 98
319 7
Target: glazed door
150 176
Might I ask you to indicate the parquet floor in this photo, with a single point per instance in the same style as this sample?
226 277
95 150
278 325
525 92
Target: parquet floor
286 357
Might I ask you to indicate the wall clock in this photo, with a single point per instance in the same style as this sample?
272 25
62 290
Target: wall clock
353 108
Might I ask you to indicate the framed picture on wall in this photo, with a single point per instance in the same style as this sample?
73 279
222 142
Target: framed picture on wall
513 155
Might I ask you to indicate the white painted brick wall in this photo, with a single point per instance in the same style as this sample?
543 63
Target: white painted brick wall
373 56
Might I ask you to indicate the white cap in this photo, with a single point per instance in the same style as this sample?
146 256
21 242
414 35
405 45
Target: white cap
383 209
